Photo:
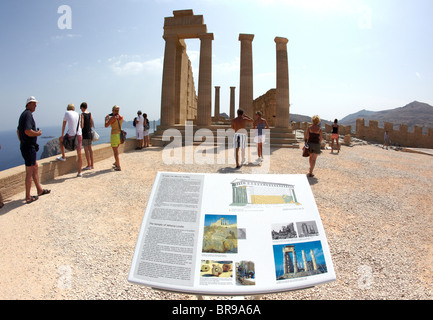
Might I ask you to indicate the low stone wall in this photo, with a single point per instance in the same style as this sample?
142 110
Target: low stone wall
401 137
12 181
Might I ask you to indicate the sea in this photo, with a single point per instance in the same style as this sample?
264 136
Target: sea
10 154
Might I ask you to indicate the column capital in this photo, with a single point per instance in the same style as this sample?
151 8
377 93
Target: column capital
244 36
172 37
217 87
281 40
203 36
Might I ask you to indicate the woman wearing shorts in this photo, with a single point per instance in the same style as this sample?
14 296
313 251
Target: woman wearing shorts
314 139
115 120
335 136
260 125
86 128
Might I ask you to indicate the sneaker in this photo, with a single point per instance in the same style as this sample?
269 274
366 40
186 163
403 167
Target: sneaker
61 159
79 175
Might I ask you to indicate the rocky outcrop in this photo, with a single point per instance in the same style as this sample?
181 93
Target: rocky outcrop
220 239
51 148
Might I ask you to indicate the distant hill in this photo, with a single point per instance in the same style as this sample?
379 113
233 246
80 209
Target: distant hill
415 113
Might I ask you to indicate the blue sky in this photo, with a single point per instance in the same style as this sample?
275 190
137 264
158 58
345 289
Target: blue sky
344 55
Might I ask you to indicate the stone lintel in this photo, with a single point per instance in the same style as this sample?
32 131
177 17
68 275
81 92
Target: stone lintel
185 31
183 13
243 36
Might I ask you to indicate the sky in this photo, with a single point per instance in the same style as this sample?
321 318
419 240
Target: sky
344 55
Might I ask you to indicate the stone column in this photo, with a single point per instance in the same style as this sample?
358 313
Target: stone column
217 103
232 102
295 262
246 74
204 107
313 258
168 91
283 100
305 261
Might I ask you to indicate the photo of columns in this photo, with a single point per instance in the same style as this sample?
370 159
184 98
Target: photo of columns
299 260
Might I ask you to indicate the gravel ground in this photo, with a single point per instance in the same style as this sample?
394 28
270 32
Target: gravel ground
78 242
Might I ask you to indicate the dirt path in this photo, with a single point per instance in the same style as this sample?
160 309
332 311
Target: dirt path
78 242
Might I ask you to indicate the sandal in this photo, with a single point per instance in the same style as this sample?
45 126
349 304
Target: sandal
45 191
32 199
117 169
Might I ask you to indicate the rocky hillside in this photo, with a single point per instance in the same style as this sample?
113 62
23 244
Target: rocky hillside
415 113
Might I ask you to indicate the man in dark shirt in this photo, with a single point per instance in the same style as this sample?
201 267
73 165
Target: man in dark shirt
27 134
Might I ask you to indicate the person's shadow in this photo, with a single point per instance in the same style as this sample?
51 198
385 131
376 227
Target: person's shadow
312 180
11 205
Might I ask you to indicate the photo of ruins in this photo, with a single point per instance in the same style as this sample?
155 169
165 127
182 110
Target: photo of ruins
284 231
219 269
299 260
220 234
245 273
307 229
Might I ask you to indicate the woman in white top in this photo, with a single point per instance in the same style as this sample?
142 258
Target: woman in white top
139 120
72 119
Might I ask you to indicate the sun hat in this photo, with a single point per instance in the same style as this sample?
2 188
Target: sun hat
31 99
116 107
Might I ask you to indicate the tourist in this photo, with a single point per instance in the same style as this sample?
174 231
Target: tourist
386 140
314 139
86 128
1 198
74 129
139 130
115 120
28 135
240 137
146 131
335 136
259 125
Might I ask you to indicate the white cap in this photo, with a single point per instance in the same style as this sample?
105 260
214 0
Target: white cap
31 99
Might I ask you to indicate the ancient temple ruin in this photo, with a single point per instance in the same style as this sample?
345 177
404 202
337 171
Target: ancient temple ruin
179 103
249 192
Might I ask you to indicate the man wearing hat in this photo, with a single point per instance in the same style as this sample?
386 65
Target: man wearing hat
27 134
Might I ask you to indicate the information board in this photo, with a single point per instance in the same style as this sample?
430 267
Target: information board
231 234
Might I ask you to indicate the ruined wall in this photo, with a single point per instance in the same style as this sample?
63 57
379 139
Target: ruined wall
267 104
343 130
401 137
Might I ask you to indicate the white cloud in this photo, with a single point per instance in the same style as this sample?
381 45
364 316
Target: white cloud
134 65
418 75
66 36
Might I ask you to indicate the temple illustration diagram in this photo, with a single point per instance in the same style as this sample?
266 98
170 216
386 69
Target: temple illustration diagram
249 192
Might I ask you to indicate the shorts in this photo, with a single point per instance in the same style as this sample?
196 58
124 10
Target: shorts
240 140
335 136
260 139
115 140
146 132
29 155
139 134
315 148
87 142
80 142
